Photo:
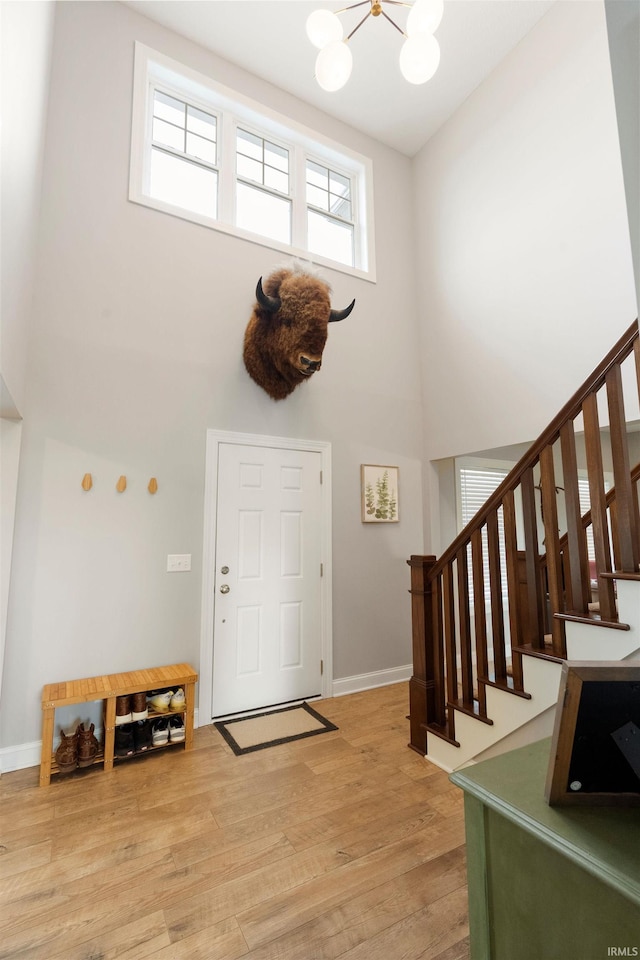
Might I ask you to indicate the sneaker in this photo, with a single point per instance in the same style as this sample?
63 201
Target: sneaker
123 710
176 729
139 706
160 701
160 733
178 700
88 745
142 739
123 742
67 752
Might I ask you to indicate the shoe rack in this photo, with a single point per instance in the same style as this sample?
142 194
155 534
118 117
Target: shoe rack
107 688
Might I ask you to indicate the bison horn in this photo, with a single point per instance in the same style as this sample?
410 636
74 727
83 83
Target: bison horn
270 304
341 314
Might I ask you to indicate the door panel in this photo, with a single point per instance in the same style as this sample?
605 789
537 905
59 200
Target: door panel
267 621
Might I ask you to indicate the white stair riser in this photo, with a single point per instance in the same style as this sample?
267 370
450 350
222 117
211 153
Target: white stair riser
588 642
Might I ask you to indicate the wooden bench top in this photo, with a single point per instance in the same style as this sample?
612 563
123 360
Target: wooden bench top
116 684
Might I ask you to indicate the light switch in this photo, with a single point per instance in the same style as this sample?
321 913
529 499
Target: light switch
178 562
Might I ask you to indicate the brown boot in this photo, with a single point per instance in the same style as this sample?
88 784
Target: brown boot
123 709
88 746
67 752
139 706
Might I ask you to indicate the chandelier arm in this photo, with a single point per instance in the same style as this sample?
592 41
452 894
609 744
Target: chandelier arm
393 23
397 3
366 17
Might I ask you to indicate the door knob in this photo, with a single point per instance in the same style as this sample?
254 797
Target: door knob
225 588
224 570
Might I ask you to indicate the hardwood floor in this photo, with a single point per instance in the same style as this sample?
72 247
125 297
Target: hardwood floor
344 845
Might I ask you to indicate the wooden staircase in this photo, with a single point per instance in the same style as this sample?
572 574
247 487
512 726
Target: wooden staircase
486 674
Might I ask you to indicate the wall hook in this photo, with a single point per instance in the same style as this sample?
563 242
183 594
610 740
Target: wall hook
87 481
153 485
121 485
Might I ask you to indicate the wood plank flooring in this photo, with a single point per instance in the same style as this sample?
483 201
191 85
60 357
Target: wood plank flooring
346 845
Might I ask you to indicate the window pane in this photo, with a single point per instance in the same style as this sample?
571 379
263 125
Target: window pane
168 134
201 148
263 213
276 156
317 175
184 184
249 145
340 207
262 161
251 169
330 238
168 108
202 123
329 190
319 198
339 185
276 180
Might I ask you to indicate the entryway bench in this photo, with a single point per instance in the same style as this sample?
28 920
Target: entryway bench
107 688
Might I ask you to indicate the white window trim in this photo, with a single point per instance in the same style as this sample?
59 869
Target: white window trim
234 108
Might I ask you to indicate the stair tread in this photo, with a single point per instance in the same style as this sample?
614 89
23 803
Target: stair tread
545 653
594 619
506 685
470 709
620 575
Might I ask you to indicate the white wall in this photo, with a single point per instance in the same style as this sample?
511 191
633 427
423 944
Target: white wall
623 33
26 31
137 350
526 279
26 34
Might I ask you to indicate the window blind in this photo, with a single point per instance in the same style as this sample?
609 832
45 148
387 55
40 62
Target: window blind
476 484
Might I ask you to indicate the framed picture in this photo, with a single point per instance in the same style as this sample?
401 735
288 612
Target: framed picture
595 751
379 493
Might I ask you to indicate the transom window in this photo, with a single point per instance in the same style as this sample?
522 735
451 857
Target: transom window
206 154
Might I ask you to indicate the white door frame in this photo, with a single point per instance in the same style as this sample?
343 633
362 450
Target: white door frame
214 439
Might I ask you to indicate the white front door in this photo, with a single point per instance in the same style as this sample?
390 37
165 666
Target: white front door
267 618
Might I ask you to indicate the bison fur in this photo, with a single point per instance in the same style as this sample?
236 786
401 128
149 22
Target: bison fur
287 330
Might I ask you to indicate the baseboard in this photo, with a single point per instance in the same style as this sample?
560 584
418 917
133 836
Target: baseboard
21 756
25 755
367 681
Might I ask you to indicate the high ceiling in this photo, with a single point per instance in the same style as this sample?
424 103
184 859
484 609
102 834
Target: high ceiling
267 38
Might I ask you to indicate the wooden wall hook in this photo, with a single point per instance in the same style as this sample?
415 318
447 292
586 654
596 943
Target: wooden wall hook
121 485
87 481
153 485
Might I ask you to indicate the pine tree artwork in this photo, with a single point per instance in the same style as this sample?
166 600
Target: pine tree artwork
379 485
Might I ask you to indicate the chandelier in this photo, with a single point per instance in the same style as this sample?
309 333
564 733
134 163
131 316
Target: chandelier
419 55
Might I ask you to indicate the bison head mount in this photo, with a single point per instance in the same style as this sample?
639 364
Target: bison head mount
287 330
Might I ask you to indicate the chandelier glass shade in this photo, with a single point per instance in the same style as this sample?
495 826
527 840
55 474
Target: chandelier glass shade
419 54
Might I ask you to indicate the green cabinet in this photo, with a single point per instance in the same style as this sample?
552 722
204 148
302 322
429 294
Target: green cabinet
546 883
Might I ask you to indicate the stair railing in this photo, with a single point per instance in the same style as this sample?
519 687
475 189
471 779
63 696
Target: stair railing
473 614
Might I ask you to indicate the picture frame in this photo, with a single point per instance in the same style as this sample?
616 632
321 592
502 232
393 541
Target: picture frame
595 749
379 500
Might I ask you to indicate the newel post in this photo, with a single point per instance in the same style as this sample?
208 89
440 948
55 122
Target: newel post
422 684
